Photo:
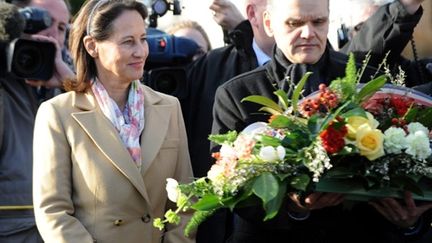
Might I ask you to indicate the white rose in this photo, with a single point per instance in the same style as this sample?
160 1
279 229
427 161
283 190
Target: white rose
418 145
394 140
413 127
172 189
270 154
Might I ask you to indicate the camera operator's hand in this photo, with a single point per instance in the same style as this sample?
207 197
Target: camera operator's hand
226 14
61 69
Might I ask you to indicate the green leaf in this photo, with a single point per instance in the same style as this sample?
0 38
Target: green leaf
264 101
197 218
283 98
269 141
300 182
297 91
273 206
270 110
424 117
351 74
408 184
281 121
358 111
266 187
411 115
208 202
314 125
220 139
370 88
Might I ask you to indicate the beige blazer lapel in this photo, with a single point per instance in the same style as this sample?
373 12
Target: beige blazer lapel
156 126
106 138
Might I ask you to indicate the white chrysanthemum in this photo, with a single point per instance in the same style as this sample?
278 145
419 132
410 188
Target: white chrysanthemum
413 127
172 189
270 154
394 140
418 145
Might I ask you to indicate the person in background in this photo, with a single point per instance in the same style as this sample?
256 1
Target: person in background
300 29
104 150
18 106
192 30
249 48
378 27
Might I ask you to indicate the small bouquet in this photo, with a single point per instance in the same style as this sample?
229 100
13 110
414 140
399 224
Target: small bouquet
363 140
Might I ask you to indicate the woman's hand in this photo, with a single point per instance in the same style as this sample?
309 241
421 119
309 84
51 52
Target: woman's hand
316 200
61 69
401 215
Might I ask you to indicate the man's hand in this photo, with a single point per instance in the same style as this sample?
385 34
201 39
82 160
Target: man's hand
316 200
226 14
411 6
61 69
401 215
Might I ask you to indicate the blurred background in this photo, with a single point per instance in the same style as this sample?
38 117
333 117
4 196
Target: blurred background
199 11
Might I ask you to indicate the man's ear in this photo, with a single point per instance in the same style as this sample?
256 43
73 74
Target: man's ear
267 23
90 46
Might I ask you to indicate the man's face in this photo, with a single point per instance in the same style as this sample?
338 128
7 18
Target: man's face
299 27
60 16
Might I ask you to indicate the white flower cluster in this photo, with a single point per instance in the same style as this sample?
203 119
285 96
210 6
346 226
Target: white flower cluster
415 143
318 160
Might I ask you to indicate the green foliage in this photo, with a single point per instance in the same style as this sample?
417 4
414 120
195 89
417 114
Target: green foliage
266 102
266 187
220 139
300 182
346 87
298 90
370 88
197 218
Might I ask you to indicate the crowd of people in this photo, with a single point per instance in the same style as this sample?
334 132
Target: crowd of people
84 156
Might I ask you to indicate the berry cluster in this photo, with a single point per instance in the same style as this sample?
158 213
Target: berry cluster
325 101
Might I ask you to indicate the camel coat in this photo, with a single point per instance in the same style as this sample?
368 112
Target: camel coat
86 187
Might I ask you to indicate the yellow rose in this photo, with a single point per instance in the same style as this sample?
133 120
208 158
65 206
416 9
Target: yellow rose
354 122
370 142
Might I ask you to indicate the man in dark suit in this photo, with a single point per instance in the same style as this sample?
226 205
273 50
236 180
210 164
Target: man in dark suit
300 30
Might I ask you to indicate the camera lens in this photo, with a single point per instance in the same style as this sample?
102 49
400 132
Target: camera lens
28 60
166 83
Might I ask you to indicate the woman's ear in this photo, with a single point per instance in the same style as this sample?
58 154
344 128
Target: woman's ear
90 46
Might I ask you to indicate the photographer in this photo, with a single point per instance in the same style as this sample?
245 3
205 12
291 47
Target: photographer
56 34
18 106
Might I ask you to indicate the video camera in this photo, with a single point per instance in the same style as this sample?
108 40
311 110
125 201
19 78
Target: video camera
25 58
165 68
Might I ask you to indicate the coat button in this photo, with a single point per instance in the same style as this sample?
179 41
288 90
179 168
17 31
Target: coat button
146 218
118 222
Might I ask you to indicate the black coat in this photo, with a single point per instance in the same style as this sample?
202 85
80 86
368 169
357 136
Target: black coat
390 29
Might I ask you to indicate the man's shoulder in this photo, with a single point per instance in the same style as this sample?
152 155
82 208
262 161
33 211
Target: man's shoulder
247 79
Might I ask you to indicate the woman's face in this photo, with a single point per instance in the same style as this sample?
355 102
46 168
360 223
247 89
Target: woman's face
122 56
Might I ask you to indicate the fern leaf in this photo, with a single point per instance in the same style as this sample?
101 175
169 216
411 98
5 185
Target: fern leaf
197 218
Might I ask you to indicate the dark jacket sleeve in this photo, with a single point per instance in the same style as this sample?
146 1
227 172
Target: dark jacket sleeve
389 29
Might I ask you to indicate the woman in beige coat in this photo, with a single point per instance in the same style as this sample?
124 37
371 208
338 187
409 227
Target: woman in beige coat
103 151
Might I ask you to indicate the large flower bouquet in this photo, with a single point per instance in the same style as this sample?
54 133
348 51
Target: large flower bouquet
363 140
